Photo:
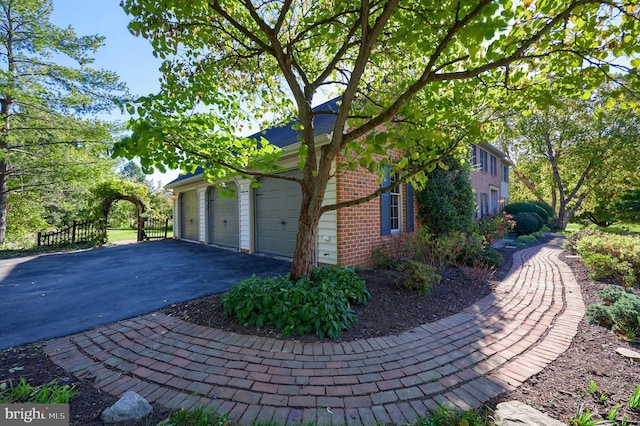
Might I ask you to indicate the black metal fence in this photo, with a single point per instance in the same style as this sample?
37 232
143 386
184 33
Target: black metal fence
78 233
155 228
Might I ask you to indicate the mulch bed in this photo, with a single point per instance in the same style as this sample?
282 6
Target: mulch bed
557 390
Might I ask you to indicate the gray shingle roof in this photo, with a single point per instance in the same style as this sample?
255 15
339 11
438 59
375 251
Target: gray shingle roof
285 135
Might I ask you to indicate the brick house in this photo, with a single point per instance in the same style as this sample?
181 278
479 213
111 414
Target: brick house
489 178
264 220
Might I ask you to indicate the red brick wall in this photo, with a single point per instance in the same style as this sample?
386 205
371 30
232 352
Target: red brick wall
359 225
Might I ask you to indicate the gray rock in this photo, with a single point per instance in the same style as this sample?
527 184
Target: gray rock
515 413
130 407
628 353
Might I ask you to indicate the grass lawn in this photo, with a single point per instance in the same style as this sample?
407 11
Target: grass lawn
126 234
122 234
633 227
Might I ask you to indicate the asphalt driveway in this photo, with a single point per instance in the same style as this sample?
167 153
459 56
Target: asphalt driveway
53 295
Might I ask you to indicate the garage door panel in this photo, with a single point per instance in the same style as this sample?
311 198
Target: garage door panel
224 219
189 214
277 207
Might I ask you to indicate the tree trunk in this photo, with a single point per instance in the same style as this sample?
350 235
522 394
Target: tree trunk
313 188
5 111
4 193
304 254
564 216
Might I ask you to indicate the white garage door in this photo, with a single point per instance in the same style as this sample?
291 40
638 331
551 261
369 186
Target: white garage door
189 215
277 208
224 220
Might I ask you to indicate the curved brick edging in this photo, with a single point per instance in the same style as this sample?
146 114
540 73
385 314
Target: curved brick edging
461 361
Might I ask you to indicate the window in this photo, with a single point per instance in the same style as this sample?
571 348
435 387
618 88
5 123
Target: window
494 165
474 156
391 206
484 203
505 173
394 215
484 166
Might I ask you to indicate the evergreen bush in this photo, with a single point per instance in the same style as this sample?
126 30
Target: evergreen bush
525 223
515 208
446 204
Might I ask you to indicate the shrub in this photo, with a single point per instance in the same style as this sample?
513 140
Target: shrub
383 260
490 257
345 280
515 208
621 311
625 313
476 254
608 254
527 240
546 207
317 304
599 314
419 277
492 227
446 203
611 294
437 251
525 223
469 249
539 221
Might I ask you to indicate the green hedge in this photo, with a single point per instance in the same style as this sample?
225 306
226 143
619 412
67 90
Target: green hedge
526 223
516 208
609 254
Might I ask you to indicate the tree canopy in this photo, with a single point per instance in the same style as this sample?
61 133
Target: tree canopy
47 146
416 77
577 151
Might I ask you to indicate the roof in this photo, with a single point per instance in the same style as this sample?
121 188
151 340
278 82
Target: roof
284 136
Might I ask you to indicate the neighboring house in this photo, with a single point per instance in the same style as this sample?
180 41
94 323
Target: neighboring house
489 178
265 219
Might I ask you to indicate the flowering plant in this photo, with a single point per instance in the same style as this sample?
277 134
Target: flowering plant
494 226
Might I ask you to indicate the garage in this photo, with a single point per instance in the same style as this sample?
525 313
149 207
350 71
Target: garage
277 209
189 214
224 223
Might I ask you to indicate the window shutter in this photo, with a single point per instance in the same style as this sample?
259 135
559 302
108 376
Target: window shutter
385 206
409 208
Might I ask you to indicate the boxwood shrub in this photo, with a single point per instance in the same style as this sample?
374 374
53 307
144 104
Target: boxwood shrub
516 208
546 207
526 223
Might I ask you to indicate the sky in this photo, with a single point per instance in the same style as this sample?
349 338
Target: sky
128 56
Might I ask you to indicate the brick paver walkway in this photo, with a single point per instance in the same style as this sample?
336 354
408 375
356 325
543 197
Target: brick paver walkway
461 361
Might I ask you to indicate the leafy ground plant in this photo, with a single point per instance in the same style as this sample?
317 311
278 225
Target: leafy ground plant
634 399
200 416
585 417
319 304
50 393
447 417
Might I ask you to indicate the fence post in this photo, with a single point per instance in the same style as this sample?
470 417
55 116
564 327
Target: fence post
166 227
73 232
39 238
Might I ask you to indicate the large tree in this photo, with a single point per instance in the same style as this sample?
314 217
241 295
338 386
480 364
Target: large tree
44 140
576 151
414 77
